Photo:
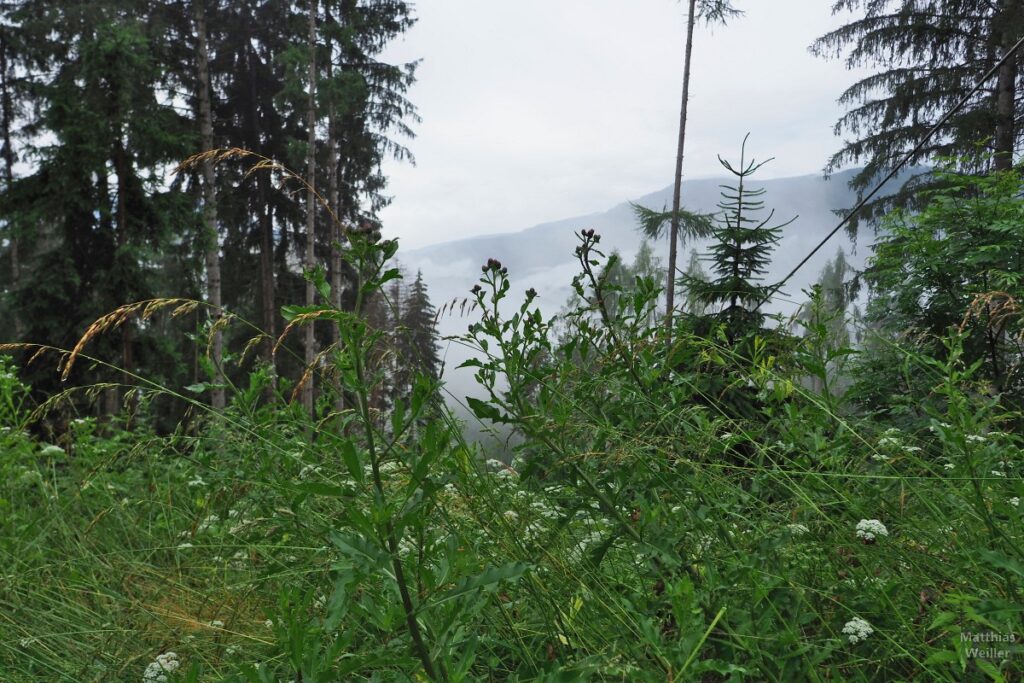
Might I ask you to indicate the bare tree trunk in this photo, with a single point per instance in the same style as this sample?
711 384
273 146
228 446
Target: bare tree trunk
266 231
8 154
211 243
1006 87
670 292
336 227
127 328
310 259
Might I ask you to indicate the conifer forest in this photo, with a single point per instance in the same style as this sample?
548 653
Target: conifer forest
232 447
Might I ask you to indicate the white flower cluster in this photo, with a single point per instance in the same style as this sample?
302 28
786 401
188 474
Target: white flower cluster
406 546
798 529
1015 501
309 471
501 470
156 671
857 629
975 438
868 529
589 540
51 451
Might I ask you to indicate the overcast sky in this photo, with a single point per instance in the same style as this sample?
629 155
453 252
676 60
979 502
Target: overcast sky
537 110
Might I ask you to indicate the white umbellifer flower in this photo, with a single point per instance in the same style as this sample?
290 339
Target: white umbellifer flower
704 543
857 629
495 464
912 449
231 649
975 438
888 441
1015 501
880 457
308 471
511 515
590 539
798 529
207 523
195 481
216 623
544 511
51 451
997 473
185 546
868 529
949 466
269 623
507 473
390 467
156 671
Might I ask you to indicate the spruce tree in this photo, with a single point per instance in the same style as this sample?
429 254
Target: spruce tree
929 53
740 253
96 209
418 340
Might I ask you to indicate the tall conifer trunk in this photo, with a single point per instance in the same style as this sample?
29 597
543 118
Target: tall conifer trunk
333 199
670 291
265 220
1006 86
121 170
7 109
309 261
210 239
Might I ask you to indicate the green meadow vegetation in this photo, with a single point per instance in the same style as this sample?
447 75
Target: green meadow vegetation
702 507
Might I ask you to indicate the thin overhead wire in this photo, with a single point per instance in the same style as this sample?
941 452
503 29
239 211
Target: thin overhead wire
896 169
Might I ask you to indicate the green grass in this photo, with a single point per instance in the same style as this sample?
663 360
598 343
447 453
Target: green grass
653 527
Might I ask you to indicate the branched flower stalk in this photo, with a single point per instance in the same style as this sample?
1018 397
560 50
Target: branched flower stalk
370 260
